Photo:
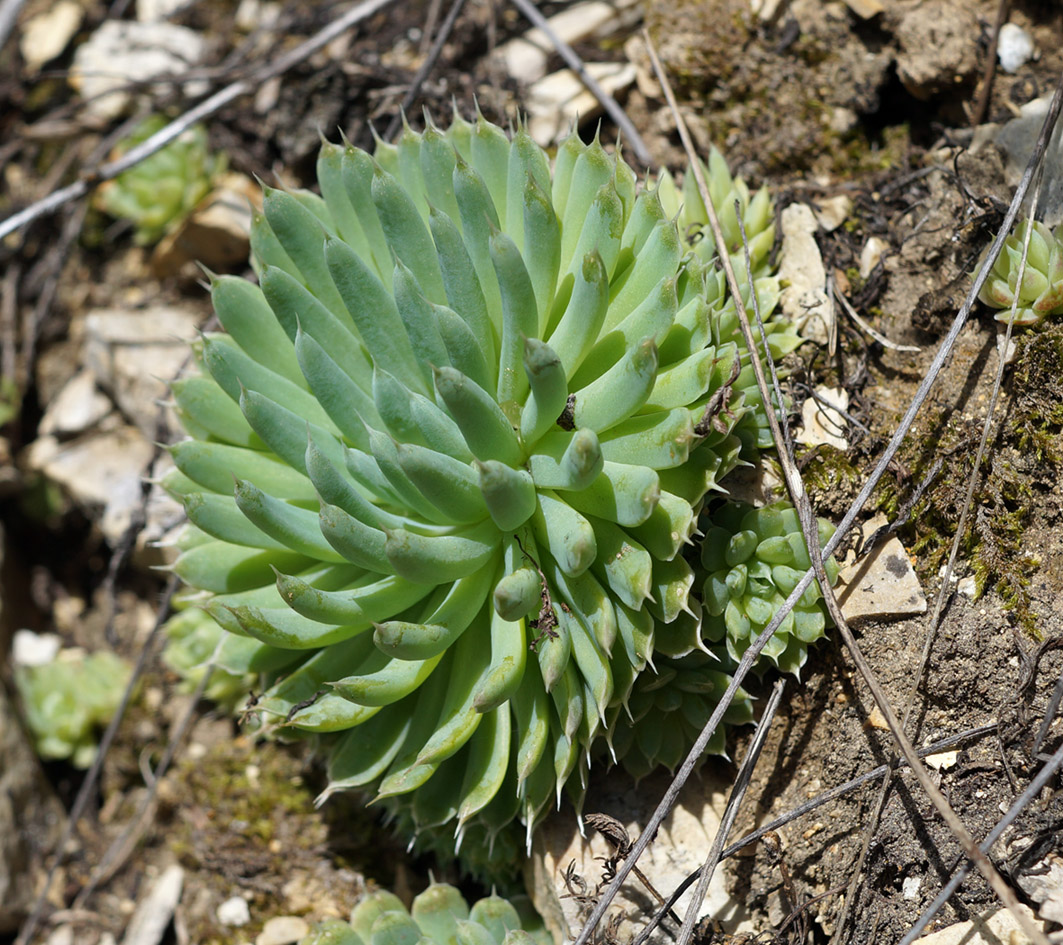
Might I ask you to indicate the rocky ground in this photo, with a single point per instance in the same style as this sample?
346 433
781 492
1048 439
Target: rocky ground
889 120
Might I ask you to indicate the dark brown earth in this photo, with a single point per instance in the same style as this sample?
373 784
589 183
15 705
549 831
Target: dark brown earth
817 103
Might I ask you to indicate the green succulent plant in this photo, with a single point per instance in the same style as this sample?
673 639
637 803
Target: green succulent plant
1041 293
470 416
160 191
668 708
757 214
751 559
192 638
684 204
439 916
68 701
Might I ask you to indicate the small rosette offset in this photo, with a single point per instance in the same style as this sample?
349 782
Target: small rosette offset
1041 293
751 560
438 916
159 192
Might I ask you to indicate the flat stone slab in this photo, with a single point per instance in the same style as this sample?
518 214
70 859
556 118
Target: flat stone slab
881 585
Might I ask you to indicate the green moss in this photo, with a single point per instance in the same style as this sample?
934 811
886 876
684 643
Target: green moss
1035 423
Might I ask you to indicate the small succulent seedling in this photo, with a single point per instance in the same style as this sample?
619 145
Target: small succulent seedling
159 192
439 916
751 560
68 701
1041 293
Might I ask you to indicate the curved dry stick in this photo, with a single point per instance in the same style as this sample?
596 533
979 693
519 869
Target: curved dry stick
942 354
198 112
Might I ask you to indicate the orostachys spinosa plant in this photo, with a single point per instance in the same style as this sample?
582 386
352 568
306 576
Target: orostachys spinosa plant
438 916
472 411
1041 292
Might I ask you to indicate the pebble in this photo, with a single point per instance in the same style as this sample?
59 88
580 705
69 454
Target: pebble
282 930
822 424
804 300
124 53
881 585
871 255
47 34
990 928
525 57
556 102
1014 47
77 407
34 649
234 912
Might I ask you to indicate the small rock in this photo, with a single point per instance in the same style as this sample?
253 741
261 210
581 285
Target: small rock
843 120
822 423
1014 47
282 930
883 584
938 47
1043 883
133 355
155 11
910 886
990 928
832 212
875 719
801 270
121 53
871 255
234 912
94 467
47 34
257 15
968 587
78 406
216 233
525 57
102 472
942 761
61 935
34 649
153 914
677 850
556 102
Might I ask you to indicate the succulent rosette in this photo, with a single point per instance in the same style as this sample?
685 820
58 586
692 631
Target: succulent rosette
192 637
444 459
69 701
1041 293
732 199
751 559
160 191
669 707
438 916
